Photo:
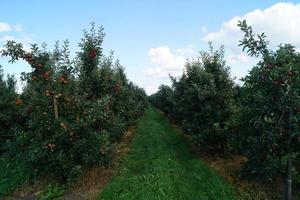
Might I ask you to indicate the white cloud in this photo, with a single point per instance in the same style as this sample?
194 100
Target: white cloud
240 64
5 38
150 89
164 62
25 40
5 27
187 52
16 33
279 22
238 58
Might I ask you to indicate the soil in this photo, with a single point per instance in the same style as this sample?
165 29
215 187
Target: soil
229 166
29 191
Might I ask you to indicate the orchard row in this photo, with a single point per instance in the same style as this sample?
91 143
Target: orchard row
71 113
260 119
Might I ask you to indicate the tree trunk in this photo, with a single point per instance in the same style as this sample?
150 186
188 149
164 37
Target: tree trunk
288 186
55 106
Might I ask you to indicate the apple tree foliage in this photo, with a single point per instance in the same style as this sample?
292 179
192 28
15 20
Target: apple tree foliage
75 110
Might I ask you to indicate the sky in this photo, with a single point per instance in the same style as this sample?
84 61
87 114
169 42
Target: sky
153 38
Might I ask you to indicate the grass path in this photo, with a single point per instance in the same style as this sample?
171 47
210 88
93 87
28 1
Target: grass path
161 166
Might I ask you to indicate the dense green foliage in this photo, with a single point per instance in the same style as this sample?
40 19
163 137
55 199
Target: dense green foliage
161 166
271 106
201 100
9 113
73 110
259 119
12 174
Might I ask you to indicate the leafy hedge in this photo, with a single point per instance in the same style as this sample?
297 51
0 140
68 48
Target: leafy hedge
201 100
9 113
73 110
259 119
271 105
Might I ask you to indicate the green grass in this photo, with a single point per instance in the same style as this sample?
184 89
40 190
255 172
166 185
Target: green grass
52 191
12 175
161 166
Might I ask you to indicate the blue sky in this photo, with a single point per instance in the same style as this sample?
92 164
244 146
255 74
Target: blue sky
151 38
